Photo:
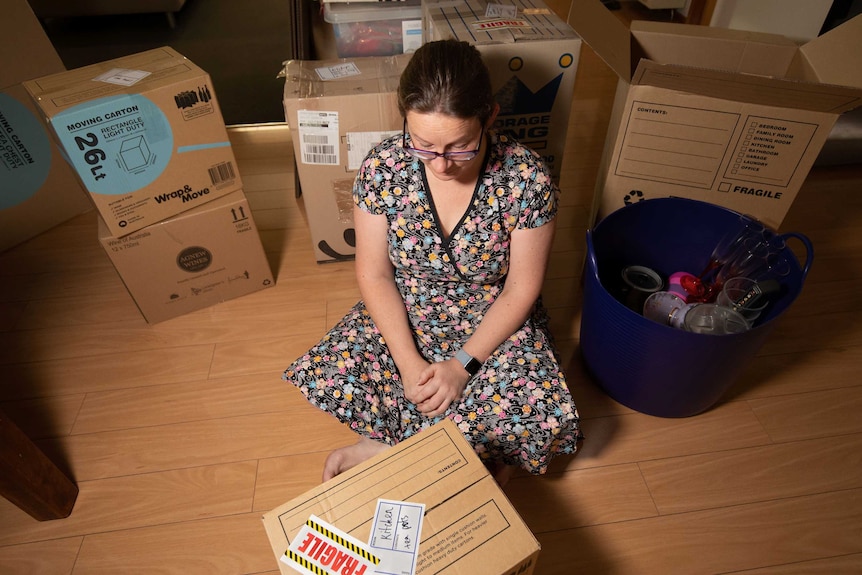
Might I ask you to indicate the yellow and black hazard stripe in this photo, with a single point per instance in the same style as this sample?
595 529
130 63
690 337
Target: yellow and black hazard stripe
306 563
343 542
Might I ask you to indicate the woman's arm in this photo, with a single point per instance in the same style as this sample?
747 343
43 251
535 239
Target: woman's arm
376 277
444 382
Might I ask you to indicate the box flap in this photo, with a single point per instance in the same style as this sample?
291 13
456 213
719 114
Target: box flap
834 58
714 48
341 77
469 21
25 50
753 89
159 67
605 34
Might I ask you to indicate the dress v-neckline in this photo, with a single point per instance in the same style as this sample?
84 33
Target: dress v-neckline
435 214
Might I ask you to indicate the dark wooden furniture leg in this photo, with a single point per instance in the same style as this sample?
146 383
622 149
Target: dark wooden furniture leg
29 479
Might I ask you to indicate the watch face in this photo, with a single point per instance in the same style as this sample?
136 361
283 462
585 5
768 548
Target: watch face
471 364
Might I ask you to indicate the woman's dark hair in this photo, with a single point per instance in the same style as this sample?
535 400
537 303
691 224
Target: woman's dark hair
447 77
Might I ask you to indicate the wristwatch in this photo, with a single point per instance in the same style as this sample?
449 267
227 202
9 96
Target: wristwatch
470 363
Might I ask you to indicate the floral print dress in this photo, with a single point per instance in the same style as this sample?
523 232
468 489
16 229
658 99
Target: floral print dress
517 409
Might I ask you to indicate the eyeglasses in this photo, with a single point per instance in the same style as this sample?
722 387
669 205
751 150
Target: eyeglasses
463 156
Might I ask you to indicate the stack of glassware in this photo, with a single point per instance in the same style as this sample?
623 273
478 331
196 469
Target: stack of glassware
743 273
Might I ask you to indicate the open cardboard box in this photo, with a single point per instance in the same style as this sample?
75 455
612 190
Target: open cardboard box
469 525
732 118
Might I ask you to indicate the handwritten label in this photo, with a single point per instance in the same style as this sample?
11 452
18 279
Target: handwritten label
395 536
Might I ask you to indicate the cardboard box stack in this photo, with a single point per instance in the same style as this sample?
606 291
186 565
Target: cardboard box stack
732 118
146 139
468 527
533 56
337 110
38 189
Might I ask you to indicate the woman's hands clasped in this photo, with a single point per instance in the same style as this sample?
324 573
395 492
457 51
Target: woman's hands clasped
433 389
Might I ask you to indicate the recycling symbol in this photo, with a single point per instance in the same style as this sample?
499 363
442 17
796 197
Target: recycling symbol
633 197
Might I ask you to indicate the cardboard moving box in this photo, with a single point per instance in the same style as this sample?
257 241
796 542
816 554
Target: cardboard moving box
38 189
204 256
144 133
469 526
732 118
533 57
337 111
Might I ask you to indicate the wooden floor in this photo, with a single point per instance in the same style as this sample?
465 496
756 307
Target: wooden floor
181 434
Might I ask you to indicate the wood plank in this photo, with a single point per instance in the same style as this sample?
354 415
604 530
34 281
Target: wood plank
147 499
724 540
734 477
133 368
41 558
197 443
828 413
628 438
182 402
218 546
556 502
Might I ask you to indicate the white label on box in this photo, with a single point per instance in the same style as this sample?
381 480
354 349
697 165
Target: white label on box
345 70
501 11
122 77
318 137
359 143
395 536
411 35
322 549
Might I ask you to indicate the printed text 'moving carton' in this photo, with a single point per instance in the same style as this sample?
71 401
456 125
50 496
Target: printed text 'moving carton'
144 133
728 117
469 526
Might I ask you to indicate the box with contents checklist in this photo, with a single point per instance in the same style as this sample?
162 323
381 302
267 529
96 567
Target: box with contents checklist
469 526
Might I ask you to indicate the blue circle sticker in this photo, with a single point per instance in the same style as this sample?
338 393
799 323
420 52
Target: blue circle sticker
25 153
118 145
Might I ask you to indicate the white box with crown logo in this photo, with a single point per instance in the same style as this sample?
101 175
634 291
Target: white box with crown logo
533 57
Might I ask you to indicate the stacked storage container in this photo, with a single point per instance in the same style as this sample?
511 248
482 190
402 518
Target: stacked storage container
373 28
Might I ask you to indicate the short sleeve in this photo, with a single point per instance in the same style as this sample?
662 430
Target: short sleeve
364 193
539 196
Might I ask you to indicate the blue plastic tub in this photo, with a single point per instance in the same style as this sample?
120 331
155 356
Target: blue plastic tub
653 368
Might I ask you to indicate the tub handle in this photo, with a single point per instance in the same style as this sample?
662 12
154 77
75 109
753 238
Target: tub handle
809 250
591 254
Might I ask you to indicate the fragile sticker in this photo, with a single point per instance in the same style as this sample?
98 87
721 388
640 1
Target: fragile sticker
322 549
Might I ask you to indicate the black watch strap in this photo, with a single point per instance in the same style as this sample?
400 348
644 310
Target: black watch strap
470 363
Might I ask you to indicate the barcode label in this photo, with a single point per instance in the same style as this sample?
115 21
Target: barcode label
317 149
318 137
222 173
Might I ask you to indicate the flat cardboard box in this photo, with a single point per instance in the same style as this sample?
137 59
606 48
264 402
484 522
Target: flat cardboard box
144 133
333 123
204 256
38 189
533 58
469 525
733 118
